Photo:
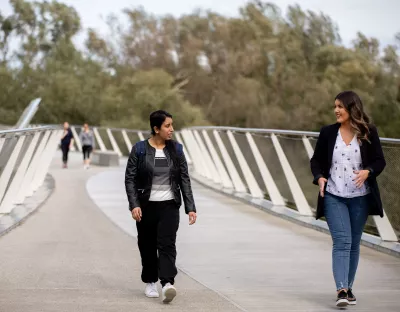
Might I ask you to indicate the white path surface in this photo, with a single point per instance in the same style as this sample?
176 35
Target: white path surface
260 262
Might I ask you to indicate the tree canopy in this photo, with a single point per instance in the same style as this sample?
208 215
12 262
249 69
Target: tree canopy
258 69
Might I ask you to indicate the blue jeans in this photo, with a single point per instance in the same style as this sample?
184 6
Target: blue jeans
346 219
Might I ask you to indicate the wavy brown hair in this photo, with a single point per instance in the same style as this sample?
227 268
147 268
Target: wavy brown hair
359 120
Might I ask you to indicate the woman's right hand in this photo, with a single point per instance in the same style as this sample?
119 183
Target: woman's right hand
321 183
137 214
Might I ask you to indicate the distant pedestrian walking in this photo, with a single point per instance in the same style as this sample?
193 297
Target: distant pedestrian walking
67 141
347 159
156 176
88 144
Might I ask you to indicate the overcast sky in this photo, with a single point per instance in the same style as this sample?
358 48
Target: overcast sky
380 19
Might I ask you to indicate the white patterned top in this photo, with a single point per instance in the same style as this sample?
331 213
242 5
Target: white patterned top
345 160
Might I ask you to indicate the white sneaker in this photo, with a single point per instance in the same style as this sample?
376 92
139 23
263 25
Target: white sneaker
168 293
151 290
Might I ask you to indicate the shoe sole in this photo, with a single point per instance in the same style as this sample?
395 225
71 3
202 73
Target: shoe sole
353 302
170 294
152 296
342 303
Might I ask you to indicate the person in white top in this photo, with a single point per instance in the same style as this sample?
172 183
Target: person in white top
347 159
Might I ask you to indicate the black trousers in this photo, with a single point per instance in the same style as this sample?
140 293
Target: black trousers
156 240
86 150
65 151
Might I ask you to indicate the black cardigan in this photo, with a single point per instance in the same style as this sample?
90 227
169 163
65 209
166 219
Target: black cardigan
372 159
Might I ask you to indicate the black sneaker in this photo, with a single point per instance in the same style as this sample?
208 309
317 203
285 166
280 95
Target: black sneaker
352 299
342 299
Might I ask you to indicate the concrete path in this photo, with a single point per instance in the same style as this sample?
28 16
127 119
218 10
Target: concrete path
259 261
78 252
68 257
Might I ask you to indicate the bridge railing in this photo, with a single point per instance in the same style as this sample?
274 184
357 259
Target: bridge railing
25 157
264 164
118 140
275 165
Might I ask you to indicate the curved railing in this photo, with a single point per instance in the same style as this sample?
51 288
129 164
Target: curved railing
272 165
25 157
118 140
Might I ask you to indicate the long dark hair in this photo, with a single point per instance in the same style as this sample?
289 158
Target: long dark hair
359 120
157 118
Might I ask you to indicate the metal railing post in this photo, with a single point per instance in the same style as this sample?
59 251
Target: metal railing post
99 140
255 190
113 142
308 147
205 170
226 181
76 139
300 200
140 135
207 159
10 196
26 189
193 150
273 191
235 177
127 141
48 154
2 140
186 151
9 167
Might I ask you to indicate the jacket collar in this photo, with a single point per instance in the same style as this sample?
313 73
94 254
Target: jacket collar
152 151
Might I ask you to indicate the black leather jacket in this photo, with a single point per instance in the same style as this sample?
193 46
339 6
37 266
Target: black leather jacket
139 179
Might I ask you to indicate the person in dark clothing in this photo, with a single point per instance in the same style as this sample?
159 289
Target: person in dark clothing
347 159
156 175
67 141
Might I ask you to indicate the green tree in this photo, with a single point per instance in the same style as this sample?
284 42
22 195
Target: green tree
258 69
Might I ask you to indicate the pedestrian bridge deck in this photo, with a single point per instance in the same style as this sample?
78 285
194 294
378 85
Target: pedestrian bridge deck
78 252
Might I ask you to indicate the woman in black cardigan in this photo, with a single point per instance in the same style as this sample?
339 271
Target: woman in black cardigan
347 159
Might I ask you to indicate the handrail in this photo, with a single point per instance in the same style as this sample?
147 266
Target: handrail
33 129
111 128
120 129
275 131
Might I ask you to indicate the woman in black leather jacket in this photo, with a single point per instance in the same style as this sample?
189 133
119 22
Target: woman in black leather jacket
156 175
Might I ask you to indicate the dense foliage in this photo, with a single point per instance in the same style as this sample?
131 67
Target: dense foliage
258 69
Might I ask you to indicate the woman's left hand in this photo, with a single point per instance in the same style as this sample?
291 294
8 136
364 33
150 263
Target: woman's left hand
361 176
192 217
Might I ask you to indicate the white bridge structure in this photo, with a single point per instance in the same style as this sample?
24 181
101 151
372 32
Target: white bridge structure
266 167
70 256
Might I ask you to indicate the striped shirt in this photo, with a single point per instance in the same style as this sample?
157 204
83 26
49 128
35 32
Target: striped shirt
161 187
